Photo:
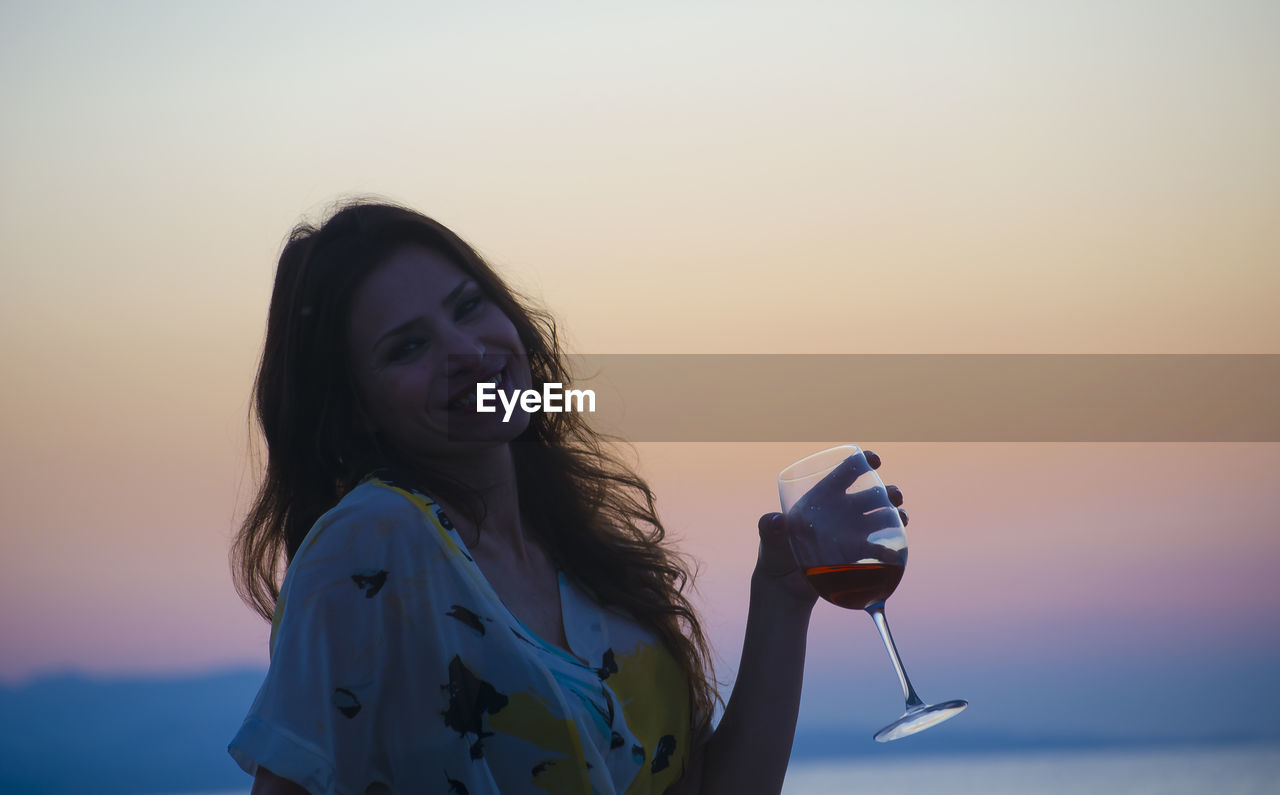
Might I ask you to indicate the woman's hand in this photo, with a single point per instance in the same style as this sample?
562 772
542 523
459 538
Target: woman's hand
776 569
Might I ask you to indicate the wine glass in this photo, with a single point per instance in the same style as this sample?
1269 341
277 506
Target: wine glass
849 540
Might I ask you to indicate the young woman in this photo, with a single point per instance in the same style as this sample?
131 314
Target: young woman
473 605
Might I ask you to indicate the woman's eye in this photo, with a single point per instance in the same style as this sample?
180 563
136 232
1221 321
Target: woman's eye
468 305
405 349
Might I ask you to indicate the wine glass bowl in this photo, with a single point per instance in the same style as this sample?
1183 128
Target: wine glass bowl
849 539
845 532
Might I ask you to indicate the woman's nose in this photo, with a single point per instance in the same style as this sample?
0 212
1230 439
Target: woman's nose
463 351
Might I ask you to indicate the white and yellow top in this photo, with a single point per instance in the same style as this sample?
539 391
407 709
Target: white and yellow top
395 668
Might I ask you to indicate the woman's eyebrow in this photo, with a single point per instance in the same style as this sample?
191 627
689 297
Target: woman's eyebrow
453 295
448 299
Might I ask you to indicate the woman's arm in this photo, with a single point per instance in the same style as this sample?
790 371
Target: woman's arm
750 748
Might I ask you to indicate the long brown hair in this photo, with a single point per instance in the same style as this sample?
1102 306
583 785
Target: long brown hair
594 514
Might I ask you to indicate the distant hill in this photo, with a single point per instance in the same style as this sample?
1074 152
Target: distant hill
74 734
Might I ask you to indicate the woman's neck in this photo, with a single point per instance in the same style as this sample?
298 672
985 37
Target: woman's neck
492 475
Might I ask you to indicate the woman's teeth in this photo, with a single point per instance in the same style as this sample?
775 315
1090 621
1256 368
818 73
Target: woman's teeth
468 400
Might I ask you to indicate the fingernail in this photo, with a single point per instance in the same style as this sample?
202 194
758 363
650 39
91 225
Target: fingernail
903 514
872 458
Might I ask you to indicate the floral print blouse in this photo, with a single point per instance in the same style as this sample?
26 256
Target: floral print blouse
395 668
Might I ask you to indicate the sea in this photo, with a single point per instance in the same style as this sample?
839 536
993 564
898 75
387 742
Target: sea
1215 770
1167 771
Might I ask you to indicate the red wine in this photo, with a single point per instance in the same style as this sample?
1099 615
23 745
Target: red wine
855 585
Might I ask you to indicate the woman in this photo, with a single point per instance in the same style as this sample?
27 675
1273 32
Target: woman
473 605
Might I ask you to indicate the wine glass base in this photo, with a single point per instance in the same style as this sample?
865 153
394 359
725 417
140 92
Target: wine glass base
919 719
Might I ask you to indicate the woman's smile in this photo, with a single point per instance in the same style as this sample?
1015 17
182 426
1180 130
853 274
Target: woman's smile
465 397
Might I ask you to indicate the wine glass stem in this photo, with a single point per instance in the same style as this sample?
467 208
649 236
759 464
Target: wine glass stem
882 624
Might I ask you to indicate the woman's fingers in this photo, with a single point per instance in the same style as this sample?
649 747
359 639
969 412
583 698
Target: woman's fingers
895 493
873 499
772 525
838 480
884 520
846 472
775 557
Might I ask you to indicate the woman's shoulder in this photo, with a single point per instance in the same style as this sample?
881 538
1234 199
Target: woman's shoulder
374 510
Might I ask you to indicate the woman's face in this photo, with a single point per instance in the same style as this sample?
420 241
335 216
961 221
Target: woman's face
421 335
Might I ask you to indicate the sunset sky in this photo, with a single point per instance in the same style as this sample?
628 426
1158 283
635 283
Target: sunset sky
851 178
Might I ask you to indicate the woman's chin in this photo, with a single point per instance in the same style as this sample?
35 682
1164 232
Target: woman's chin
468 427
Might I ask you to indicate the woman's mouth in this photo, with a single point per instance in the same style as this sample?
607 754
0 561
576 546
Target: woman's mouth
468 399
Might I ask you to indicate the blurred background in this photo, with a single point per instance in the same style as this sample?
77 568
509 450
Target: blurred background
711 177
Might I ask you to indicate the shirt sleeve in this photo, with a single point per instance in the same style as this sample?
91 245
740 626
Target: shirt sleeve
322 714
